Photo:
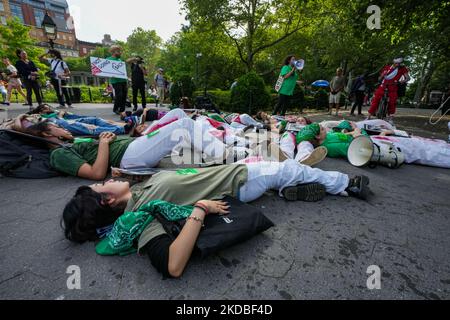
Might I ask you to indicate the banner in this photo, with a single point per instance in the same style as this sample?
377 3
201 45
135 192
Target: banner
108 68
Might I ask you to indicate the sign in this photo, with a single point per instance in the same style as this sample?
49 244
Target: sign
108 68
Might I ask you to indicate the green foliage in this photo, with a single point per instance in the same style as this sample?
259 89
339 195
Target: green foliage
183 87
14 35
250 94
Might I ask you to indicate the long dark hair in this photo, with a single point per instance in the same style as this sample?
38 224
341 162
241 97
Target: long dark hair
85 213
287 61
56 53
39 129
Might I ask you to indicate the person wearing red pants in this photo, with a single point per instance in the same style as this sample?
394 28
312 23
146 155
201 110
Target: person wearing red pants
390 76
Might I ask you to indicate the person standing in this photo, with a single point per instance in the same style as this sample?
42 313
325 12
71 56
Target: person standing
59 73
337 86
359 92
29 74
288 72
138 74
120 85
160 85
14 82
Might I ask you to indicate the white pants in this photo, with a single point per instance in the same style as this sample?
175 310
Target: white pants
246 121
288 145
148 151
173 115
264 176
429 152
228 136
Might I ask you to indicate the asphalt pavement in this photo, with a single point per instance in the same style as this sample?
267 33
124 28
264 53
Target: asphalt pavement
316 251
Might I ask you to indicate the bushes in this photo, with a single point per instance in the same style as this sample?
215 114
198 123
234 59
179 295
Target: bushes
250 95
184 87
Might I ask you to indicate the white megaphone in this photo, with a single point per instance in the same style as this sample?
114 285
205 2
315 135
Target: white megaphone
363 151
299 64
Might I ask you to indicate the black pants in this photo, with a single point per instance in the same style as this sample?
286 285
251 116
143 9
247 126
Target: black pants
120 96
359 101
282 105
139 88
32 85
61 92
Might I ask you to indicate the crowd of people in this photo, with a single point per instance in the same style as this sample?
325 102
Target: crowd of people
239 155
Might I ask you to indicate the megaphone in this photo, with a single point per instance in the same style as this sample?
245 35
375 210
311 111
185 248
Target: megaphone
363 151
299 64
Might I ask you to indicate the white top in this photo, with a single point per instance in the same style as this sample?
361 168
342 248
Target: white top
11 69
60 66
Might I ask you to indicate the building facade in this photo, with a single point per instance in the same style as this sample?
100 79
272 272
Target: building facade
32 12
87 48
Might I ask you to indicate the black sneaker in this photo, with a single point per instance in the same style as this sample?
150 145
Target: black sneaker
359 187
312 192
248 128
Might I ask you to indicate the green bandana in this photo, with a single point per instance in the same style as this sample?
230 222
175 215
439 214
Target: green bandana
308 133
344 125
216 117
131 225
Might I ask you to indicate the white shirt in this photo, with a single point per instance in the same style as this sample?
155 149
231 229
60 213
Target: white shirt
60 66
12 69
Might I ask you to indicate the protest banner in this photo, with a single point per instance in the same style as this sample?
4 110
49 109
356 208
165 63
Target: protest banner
108 68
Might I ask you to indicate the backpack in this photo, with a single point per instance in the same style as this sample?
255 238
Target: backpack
25 157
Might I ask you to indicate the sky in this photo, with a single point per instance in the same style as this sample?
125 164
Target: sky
94 18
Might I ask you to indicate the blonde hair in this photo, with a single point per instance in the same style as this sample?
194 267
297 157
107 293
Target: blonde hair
114 48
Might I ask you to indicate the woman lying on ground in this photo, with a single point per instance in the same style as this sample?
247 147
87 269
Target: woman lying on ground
417 150
93 159
98 206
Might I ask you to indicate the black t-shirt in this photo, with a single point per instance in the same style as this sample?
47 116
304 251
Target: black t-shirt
137 75
158 252
152 114
24 69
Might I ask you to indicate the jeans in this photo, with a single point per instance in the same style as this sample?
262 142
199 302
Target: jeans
81 127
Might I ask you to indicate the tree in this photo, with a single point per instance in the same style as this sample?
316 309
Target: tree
144 43
252 25
14 35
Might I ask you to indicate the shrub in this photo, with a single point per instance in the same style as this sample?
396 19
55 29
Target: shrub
184 87
250 94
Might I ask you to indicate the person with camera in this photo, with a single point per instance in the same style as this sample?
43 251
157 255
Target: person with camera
58 74
138 74
29 74
14 82
286 91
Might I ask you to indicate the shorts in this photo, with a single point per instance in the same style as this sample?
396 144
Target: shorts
335 98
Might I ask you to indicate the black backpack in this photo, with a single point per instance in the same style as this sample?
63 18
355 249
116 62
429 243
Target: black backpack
24 156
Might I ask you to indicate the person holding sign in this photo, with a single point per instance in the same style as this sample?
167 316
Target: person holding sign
120 85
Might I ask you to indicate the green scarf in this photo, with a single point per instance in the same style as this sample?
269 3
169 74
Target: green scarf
344 125
308 133
131 224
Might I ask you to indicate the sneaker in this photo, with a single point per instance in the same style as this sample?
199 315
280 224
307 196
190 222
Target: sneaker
312 192
70 106
359 187
275 153
6 103
62 107
317 156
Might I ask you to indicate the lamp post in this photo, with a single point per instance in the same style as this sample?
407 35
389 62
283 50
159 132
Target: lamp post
50 29
198 56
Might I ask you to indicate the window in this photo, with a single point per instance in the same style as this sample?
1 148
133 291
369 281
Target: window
64 37
85 50
39 16
3 20
2 7
70 38
16 11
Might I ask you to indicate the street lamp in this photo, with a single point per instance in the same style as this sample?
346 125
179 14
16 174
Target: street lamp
50 29
198 56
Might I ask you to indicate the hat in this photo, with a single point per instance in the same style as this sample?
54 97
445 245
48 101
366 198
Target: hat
398 60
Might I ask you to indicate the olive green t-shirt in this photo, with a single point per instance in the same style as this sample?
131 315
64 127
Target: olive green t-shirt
289 84
186 187
69 160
